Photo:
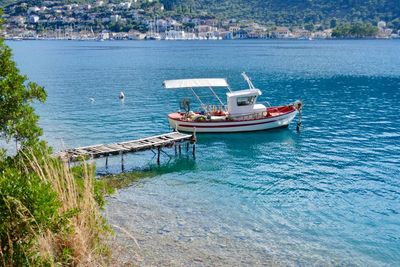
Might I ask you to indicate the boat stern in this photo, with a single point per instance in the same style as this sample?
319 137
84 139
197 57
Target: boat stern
173 119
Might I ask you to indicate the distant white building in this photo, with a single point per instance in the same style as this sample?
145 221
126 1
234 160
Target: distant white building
125 5
120 36
179 35
33 19
381 24
33 9
226 35
115 18
104 35
281 32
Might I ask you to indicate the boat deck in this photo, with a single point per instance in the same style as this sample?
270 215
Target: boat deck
270 112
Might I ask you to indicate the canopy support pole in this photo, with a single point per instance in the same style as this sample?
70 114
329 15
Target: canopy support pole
198 98
216 96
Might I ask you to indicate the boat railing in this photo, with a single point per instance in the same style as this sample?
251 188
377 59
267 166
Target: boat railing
214 108
252 116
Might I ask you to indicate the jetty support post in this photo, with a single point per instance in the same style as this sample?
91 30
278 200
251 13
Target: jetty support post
122 162
158 155
187 147
176 152
194 143
180 149
107 162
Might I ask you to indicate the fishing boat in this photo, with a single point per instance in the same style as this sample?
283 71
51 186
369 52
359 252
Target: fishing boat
241 113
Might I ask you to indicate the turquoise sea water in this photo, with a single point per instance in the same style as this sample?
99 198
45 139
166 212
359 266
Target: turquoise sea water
329 195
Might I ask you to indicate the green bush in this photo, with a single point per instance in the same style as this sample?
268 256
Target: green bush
355 30
27 207
50 213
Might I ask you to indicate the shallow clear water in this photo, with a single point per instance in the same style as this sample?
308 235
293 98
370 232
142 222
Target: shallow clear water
329 195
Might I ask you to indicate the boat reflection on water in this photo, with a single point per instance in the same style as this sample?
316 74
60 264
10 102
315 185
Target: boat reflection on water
180 164
251 142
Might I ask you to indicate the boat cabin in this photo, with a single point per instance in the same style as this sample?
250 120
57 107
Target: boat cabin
243 102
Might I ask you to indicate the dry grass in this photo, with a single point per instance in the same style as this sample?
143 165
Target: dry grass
81 242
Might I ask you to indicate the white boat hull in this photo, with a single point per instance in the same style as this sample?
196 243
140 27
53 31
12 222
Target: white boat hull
233 126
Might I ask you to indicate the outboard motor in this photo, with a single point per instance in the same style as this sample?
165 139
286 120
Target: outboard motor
185 105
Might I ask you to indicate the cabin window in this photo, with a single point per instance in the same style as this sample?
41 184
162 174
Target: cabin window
245 101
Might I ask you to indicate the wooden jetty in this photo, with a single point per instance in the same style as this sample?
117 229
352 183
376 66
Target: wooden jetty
173 139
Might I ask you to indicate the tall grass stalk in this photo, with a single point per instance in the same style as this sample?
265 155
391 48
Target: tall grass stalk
77 235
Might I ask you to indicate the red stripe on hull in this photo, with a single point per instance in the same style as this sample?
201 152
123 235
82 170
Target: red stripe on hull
234 121
223 126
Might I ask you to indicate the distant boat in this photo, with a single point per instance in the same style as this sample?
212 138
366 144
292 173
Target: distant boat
240 114
121 95
155 36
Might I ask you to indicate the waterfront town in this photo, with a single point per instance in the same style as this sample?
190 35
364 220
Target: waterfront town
138 21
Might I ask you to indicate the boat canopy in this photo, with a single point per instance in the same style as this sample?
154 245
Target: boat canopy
195 83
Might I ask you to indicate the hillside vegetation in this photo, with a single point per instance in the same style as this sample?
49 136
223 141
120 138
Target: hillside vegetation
280 12
293 12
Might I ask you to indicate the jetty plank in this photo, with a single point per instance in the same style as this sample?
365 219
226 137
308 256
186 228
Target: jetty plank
105 150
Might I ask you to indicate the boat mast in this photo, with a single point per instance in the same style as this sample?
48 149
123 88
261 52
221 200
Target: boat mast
251 86
247 79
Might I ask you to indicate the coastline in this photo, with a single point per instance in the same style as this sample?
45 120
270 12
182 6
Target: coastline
195 40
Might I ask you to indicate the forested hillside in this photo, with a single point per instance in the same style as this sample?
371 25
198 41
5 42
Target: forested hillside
280 12
292 12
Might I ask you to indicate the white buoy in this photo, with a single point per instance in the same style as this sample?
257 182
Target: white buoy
121 95
91 99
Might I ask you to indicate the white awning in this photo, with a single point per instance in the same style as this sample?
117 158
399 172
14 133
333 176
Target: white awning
194 83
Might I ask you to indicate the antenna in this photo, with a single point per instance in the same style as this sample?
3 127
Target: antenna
247 79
